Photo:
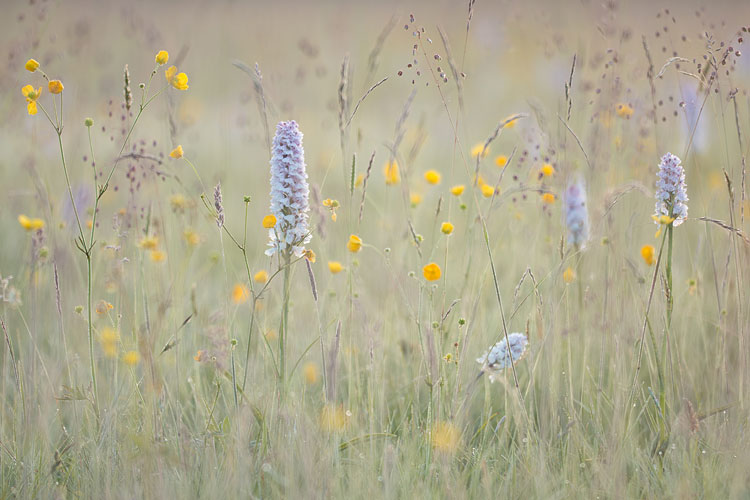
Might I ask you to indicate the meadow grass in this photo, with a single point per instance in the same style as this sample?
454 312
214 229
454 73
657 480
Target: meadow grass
481 176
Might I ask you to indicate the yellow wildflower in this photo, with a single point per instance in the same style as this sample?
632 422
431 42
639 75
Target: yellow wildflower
647 252
359 180
431 272
445 437
335 266
311 372
103 306
108 340
392 176
31 96
623 110
157 255
355 243
149 242
32 65
162 57
478 149
415 199
548 198
177 152
432 177
191 237
548 170
457 189
501 160
310 255
487 190
240 294
177 80
269 221
30 224
131 358
446 228
55 86
261 276
569 276
333 418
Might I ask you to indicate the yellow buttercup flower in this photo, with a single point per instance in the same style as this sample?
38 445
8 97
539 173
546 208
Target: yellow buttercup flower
548 198
311 372
177 80
55 86
177 152
269 221
432 177
457 189
355 243
359 180
446 228
131 358
162 57
415 199
240 294
392 176
191 237
333 418
149 242
487 190
261 276
501 160
157 255
431 272
548 170
32 65
569 276
108 340
31 96
30 224
335 266
647 252
310 255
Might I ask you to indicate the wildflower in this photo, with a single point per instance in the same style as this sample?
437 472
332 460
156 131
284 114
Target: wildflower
30 224
177 80
108 340
576 213
88 122
157 256
487 190
647 252
149 242
191 237
458 189
431 272
240 294
310 255
623 110
55 86
359 180
333 418
131 358
671 194
501 160
445 437
162 57
200 356
32 65
31 96
261 276
446 228
569 276
103 306
392 176
499 357
311 373
177 152
432 177
479 149
289 192
178 202
335 267
548 198
331 205
269 221
415 199
547 170
355 243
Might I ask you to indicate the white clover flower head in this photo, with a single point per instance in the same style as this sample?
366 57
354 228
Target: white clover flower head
289 192
576 213
671 192
499 357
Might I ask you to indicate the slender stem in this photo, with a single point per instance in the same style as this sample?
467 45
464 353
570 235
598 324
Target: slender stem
284 324
670 295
